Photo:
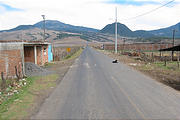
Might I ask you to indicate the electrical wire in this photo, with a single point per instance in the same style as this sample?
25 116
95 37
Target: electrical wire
148 11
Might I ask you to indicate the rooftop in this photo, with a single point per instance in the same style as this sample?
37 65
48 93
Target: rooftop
25 42
175 48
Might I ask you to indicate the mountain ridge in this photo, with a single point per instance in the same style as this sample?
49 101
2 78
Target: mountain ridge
110 29
126 32
54 25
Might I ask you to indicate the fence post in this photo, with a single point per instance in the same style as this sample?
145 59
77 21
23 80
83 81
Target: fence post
165 61
152 57
3 84
178 59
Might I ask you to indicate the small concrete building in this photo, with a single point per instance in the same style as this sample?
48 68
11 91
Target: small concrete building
16 53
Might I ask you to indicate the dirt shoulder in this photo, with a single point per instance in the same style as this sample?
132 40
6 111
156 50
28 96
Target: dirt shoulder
156 70
27 101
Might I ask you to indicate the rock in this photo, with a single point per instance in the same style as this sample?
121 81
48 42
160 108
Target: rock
32 69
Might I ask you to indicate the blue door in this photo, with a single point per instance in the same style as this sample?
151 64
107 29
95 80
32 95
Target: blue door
50 55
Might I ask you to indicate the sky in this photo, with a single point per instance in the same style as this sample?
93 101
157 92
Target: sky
90 13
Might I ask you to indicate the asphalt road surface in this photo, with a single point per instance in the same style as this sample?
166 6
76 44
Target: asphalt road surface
95 88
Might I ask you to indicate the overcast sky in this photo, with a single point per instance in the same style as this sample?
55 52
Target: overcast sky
90 13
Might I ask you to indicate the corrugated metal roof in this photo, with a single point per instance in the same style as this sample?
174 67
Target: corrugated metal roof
175 48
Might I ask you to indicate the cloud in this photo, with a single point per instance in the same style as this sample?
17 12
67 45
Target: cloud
132 2
8 8
89 13
143 2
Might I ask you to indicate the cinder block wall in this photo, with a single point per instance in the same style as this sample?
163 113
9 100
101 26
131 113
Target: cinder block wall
10 56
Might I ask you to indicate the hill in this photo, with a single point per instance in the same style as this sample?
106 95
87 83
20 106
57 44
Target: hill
88 34
20 27
54 25
123 30
60 31
59 26
167 32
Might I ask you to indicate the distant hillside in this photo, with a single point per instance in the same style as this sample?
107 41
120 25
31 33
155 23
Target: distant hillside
54 25
20 27
88 34
59 26
60 31
167 32
123 30
143 34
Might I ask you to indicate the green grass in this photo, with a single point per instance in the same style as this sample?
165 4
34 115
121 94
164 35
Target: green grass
169 65
5 106
48 64
18 105
72 56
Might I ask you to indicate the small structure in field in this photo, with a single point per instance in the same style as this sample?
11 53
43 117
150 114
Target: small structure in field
14 54
175 48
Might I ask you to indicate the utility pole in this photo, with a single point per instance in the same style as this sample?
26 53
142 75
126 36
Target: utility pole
124 40
173 36
173 43
160 48
44 27
116 31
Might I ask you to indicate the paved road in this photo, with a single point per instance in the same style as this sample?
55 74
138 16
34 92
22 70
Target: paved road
94 88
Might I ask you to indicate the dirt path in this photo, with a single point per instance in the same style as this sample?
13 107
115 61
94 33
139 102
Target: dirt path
60 68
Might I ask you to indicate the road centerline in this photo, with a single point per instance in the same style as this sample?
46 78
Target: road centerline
129 99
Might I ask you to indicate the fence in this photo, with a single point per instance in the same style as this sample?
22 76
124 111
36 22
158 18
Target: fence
138 46
60 53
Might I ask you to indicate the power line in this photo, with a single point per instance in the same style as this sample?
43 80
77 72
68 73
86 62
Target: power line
148 11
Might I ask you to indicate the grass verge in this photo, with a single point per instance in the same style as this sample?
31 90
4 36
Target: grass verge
21 104
72 56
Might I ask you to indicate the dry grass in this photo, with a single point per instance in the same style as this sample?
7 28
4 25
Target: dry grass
169 75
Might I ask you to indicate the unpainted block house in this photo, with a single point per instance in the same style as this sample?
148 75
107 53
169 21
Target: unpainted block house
17 53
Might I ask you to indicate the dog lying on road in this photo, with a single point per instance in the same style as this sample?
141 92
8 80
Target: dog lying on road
114 61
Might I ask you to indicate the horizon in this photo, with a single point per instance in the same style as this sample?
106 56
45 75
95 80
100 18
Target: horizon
86 13
90 27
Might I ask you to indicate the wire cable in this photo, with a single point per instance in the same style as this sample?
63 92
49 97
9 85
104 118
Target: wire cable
148 11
